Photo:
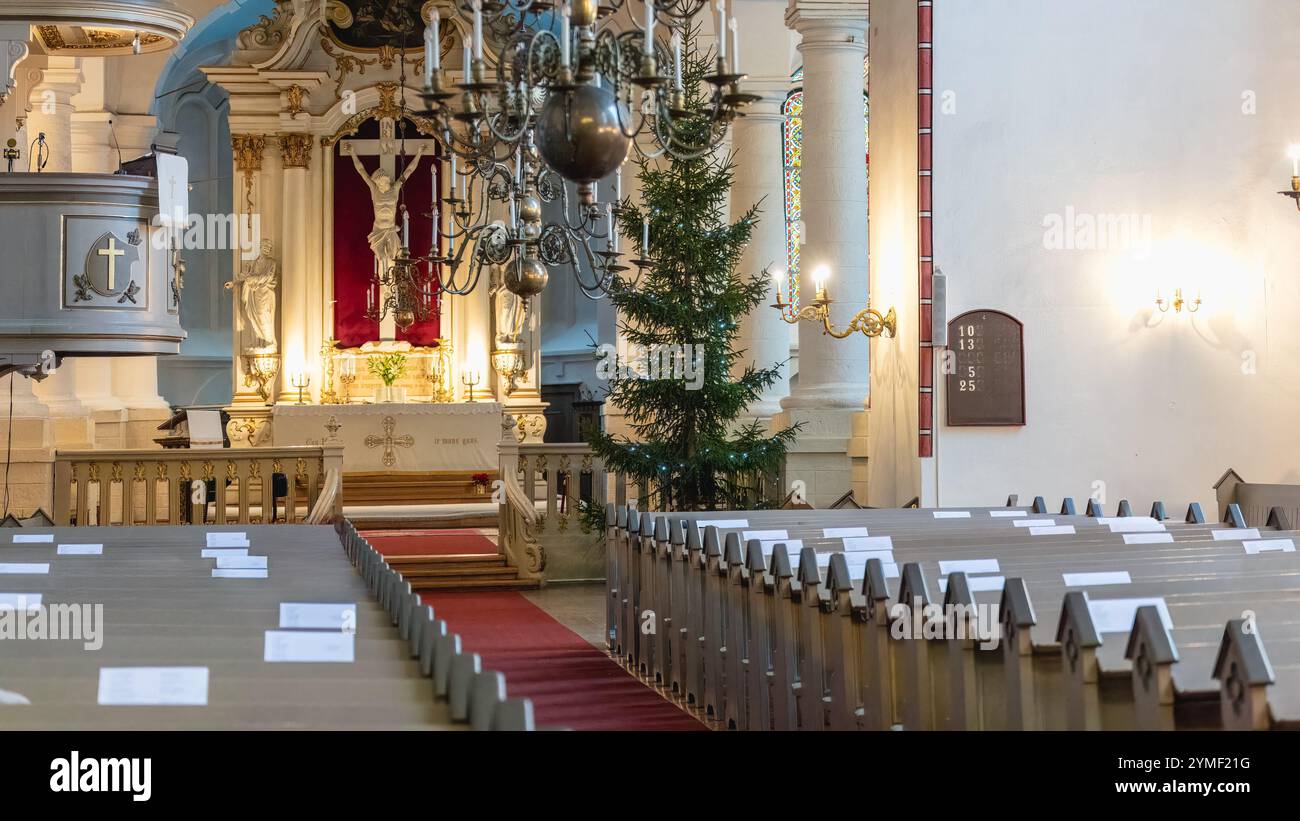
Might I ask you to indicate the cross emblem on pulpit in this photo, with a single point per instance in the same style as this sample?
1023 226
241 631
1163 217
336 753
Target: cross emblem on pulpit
389 441
112 252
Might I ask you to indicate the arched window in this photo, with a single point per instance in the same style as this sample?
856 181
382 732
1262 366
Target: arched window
791 158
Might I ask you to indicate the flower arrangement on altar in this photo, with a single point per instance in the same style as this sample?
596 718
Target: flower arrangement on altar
481 482
388 368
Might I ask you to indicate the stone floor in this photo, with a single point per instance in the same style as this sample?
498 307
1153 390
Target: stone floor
579 607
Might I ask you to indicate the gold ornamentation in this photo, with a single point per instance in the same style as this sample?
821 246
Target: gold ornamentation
185 471
388 109
232 471
161 469
277 466
267 32
300 469
868 321
295 150
138 473
254 470
293 99
93 472
248 150
388 441
117 471
209 469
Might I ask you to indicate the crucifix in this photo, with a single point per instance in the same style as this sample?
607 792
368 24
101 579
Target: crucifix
385 190
112 252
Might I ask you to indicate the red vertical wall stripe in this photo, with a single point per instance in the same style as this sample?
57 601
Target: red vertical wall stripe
925 226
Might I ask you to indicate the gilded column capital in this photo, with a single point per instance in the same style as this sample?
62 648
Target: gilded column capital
248 150
295 150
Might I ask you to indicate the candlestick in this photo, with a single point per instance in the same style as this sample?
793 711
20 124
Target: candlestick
565 36
609 227
649 28
735 46
779 277
406 228
722 30
478 29
677 61
430 49
464 61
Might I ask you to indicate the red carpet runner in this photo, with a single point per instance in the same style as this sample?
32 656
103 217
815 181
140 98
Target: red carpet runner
572 684
429 542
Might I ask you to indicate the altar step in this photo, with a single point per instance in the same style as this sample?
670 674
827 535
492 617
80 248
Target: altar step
460 572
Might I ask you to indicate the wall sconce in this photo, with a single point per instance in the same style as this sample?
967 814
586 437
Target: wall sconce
868 321
1178 303
260 369
1294 193
301 381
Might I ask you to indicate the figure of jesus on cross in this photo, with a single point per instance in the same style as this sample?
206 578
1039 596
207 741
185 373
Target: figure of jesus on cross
385 194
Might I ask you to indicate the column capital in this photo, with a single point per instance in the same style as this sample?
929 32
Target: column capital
13 50
771 97
248 150
295 150
829 20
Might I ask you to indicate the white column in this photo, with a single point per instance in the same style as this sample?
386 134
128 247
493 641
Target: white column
297 282
831 392
833 372
756 143
51 111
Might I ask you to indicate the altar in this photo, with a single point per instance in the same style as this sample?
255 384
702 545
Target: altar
394 437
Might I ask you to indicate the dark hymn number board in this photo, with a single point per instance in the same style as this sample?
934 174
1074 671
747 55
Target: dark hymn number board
986 385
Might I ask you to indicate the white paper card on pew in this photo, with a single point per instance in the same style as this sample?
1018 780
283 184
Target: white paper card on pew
153 686
764 535
1116 615
1007 514
1096 579
33 538
1148 538
80 550
1035 523
723 524
309 646
977 584
1232 534
864 556
227 539
1269 546
843 532
969 566
952 514
218 552
239 573
24 568
20 601
868 543
241 562
1053 530
318 616
792 547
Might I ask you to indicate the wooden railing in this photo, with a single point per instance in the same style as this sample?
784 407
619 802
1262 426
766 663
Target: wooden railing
181 486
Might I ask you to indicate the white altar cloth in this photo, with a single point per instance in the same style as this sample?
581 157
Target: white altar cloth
395 437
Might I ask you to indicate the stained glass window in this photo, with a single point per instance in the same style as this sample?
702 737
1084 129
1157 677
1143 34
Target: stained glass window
791 157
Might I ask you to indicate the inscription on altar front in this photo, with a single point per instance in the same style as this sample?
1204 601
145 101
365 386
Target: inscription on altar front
986 373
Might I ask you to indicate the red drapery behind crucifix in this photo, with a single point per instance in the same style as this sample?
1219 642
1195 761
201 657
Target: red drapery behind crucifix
353 261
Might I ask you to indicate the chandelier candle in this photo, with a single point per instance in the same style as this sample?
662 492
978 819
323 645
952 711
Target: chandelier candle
565 18
735 46
722 30
677 61
649 28
431 49
478 30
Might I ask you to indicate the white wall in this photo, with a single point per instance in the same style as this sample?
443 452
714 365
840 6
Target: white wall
1123 106
893 468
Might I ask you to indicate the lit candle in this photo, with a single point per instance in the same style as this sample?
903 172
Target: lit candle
478 29
645 237
649 28
735 46
722 29
819 279
565 36
779 277
1295 159
677 61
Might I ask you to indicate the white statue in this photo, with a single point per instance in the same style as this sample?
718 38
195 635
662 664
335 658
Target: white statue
384 195
255 283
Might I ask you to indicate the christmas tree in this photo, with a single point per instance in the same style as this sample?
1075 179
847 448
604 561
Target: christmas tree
680 317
